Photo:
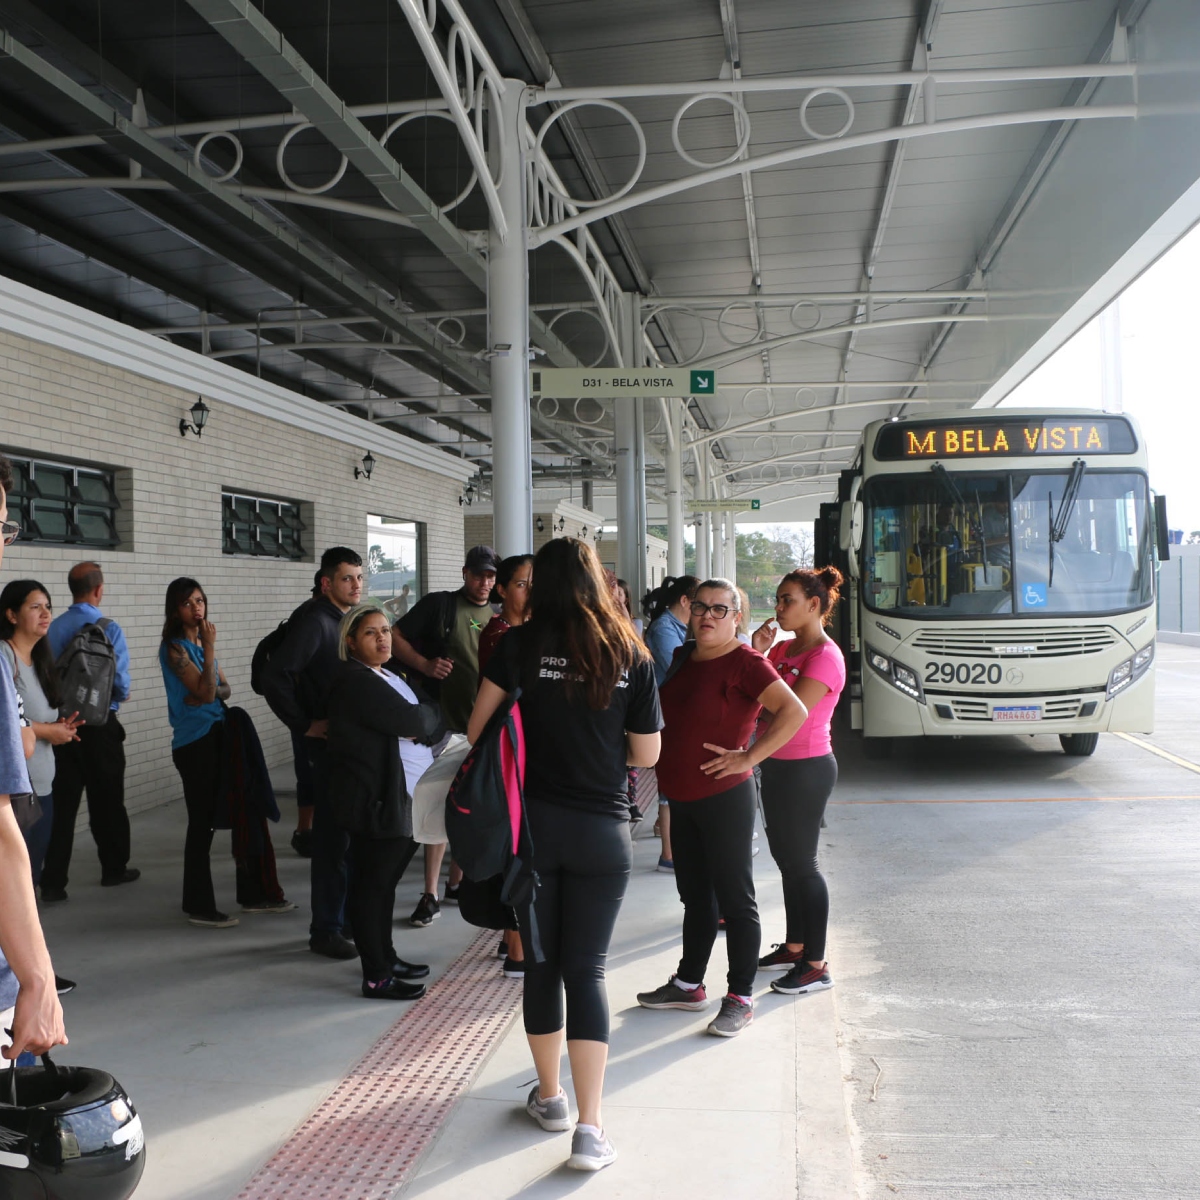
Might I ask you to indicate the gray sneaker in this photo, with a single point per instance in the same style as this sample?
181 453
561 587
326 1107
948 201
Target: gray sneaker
732 1019
589 1152
552 1115
672 996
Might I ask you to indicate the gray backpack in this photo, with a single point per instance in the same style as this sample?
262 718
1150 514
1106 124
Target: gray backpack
87 670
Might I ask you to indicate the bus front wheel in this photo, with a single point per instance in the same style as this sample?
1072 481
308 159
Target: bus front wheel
1079 745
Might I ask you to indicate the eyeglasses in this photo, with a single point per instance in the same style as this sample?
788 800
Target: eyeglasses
720 611
10 530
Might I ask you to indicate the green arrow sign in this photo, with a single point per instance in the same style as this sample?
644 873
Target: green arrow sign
704 383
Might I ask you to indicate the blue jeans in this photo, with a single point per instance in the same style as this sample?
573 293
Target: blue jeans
330 844
37 837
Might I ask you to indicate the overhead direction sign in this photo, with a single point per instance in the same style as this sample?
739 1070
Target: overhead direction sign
744 505
615 383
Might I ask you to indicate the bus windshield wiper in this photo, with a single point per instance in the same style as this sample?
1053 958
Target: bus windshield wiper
1058 530
943 477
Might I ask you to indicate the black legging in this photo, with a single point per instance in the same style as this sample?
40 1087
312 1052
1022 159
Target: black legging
794 794
378 865
712 842
583 860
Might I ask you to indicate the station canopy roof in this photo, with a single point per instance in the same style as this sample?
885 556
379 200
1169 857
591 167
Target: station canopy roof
902 203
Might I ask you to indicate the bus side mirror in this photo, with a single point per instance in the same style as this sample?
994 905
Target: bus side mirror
850 527
1161 534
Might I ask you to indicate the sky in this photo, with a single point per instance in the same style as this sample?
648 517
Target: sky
1160 375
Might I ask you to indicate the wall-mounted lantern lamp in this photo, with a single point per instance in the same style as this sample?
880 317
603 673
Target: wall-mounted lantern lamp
583 532
368 465
468 496
199 412
598 535
561 524
540 525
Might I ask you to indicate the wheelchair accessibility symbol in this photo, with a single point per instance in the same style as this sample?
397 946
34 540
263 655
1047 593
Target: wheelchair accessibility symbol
1034 595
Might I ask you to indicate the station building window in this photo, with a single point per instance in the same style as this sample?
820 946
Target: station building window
262 527
61 503
395 557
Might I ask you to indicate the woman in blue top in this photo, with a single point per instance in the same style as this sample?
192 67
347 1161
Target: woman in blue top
196 691
668 631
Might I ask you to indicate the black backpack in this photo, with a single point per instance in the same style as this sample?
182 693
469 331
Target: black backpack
262 656
87 673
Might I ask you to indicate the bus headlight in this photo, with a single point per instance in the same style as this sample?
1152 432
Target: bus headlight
1129 671
902 678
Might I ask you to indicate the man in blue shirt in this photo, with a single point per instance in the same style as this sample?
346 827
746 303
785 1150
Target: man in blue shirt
96 761
33 1012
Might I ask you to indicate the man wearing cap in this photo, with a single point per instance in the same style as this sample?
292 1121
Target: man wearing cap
439 638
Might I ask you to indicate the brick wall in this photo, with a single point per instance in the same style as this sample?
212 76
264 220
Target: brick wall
58 404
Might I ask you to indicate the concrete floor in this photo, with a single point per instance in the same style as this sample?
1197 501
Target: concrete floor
1014 943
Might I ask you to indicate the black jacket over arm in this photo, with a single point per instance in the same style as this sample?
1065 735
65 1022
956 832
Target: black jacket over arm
367 788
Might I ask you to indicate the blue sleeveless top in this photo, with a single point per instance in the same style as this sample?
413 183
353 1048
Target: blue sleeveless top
190 722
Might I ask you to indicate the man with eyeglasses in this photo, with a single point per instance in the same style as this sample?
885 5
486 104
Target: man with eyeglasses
29 1004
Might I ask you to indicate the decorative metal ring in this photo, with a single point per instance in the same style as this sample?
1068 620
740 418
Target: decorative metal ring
404 119
456 41
750 413
237 155
483 85
806 392
826 91
296 187
691 312
431 7
554 320
628 185
725 334
541 412
763 477
805 304
462 330
583 420
743 141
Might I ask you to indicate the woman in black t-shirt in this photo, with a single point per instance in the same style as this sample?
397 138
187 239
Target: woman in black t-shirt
589 707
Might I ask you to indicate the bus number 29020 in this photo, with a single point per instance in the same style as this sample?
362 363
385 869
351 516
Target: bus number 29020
964 673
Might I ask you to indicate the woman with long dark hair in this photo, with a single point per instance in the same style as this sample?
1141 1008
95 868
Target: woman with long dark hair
375 719
514 578
25 614
710 704
799 776
590 709
196 692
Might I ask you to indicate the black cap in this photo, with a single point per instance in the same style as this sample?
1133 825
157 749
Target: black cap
481 559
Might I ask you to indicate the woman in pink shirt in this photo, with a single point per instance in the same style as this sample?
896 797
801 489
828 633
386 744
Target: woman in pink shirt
798 778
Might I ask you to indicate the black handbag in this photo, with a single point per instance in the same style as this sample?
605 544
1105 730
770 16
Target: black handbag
28 810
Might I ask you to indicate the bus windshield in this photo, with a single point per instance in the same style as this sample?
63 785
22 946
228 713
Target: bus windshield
1009 543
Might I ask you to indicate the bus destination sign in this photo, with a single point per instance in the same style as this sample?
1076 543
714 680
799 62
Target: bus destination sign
1020 438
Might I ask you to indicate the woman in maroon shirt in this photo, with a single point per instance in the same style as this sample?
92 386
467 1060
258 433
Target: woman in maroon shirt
513 578
710 699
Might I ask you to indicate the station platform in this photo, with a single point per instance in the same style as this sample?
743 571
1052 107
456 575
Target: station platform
1013 943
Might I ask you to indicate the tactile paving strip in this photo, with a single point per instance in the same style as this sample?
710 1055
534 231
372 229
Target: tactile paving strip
364 1141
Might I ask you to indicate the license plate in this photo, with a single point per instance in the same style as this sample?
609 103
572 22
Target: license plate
1017 712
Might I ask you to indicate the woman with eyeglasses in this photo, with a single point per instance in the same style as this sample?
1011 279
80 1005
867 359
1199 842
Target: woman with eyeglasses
798 779
711 699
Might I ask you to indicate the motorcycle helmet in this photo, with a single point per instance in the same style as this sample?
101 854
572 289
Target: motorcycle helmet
67 1133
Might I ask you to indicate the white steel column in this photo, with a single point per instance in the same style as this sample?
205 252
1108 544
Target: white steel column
718 545
629 447
508 334
704 525
675 547
730 547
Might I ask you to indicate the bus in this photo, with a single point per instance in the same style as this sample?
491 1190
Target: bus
1001 577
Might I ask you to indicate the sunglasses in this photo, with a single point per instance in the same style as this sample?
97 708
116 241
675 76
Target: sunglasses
720 611
9 530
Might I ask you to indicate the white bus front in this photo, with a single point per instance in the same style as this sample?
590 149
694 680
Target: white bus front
1006 578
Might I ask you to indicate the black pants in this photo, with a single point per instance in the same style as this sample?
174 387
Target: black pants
328 866
378 865
583 860
96 763
199 767
712 842
794 794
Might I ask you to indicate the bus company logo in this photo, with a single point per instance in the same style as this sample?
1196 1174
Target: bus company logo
1014 675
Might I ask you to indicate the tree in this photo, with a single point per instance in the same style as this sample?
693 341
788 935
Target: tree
1193 538
378 562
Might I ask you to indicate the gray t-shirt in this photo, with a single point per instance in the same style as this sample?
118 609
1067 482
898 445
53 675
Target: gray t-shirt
14 781
37 708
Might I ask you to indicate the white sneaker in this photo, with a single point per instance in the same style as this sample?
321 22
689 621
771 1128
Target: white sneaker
552 1115
589 1152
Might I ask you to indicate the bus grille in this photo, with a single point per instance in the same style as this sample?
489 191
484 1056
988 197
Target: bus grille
1065 708
1009 643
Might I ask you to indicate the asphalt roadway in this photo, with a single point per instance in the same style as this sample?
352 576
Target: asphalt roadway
1015 949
